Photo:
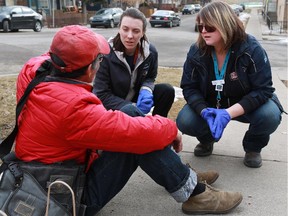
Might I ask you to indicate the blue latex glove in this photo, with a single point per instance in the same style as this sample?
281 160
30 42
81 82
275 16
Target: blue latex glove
209 116
145 101
222 118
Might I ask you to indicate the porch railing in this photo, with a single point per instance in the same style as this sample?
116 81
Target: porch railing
276 26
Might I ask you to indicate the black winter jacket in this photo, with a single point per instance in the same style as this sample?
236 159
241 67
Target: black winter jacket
113 79
251 66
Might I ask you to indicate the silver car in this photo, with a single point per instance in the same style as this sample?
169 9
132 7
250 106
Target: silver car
107 17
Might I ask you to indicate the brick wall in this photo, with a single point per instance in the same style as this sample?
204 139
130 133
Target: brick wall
68 18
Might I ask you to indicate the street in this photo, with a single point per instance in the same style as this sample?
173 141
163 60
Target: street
172 45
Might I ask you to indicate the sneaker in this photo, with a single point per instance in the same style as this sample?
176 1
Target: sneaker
209 177
253 159
212 201
202 150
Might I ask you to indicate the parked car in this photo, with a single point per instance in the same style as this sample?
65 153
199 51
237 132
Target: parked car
243 6
107 17
188 9
197 7
165 18
236 8
18 17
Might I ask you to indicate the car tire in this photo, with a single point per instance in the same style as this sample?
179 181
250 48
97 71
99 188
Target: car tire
152 25
111 24
37 26
5 25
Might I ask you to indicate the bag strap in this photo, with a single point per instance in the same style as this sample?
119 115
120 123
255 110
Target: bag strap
49 192
41 73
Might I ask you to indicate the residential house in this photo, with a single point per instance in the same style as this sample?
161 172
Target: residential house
275 14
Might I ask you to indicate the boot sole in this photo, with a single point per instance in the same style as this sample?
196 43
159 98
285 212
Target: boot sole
202 154
252 165
212 211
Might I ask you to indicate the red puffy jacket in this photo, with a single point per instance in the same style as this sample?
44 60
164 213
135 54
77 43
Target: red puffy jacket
60 121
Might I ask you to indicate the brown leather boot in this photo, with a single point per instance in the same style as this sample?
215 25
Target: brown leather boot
209 177
212 201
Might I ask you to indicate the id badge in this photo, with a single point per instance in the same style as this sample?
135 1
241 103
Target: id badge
218 87
218 84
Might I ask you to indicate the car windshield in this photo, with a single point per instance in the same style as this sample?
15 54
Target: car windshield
187 6
103 11
165 13
5 9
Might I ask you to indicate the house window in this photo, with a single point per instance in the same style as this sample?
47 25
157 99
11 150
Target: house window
43 4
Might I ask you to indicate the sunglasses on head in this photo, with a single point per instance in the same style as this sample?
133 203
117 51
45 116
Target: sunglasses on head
207 28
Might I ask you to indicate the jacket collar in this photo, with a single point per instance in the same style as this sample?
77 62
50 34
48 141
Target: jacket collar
141 58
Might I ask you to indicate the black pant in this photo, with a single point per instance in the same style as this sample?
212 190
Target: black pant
163 96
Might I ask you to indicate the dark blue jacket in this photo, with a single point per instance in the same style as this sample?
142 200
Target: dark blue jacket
251 65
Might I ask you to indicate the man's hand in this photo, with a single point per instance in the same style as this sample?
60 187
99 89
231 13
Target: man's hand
221 120
177 143
145 101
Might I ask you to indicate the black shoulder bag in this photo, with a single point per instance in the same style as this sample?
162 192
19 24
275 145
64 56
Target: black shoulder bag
24 185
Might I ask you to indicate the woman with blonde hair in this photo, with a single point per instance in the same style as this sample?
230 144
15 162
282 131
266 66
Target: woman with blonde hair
227 75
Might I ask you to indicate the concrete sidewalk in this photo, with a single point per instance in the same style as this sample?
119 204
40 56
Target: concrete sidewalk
264 190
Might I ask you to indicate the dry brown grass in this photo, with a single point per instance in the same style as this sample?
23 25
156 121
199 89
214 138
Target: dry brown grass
7 104
172 76
8 98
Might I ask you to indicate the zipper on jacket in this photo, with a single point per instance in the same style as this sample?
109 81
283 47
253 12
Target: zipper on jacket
245 53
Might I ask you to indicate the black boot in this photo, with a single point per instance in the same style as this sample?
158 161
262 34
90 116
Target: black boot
202 150
253 159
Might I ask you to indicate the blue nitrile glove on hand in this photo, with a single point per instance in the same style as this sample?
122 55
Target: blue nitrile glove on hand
209 116
221 120
145 101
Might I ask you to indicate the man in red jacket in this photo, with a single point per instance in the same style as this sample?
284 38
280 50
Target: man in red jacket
62 119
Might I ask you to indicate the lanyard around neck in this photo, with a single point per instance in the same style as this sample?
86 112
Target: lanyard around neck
220 76
224 67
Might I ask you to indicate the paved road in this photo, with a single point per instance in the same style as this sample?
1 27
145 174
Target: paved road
172 44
